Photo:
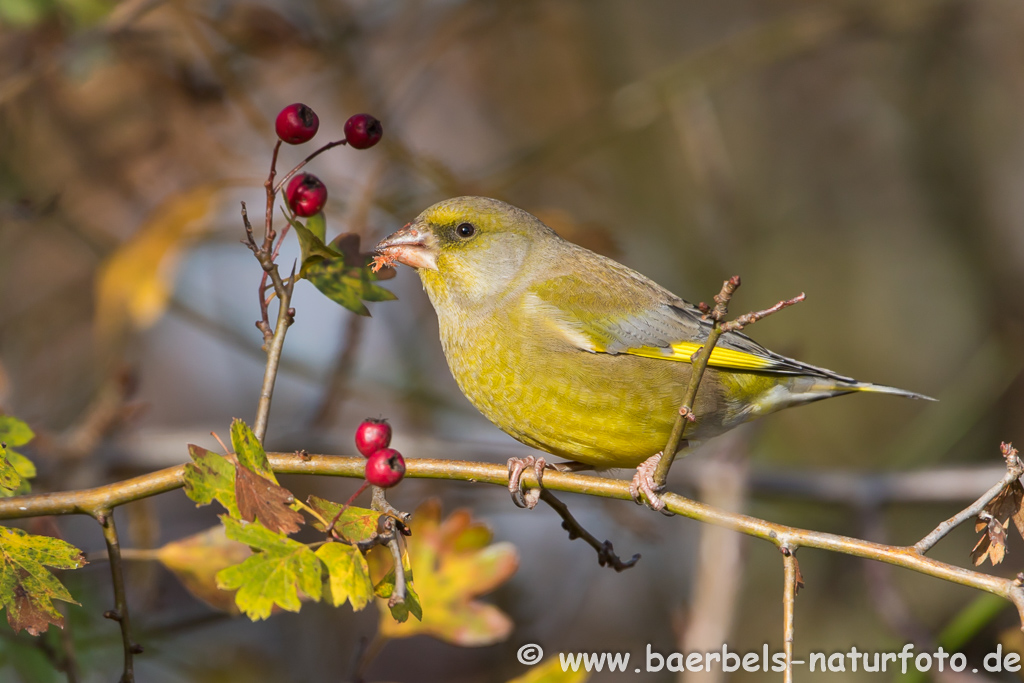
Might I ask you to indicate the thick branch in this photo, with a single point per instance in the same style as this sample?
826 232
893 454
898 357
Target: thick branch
91 501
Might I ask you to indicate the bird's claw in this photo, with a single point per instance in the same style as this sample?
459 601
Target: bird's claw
516 467
643 488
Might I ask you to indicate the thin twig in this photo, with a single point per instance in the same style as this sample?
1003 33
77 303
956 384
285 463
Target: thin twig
788 607
298 167
700 361
605 553
120 612
1014 470
92 501
699 364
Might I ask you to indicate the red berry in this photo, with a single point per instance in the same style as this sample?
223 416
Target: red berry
372 435
296 124
385 468
306 194
362 131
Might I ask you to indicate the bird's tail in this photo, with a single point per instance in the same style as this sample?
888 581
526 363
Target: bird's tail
882 389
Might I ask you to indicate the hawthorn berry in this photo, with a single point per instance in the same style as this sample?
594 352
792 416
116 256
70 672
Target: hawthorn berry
363 131
306 194
385 468
296 124
372 435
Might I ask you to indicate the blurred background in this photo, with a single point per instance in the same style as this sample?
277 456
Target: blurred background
867 152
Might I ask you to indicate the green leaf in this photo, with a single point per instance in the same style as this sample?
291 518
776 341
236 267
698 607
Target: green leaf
27 588
249 450
15 468
14 432
385 588
272 576
317 225
355 525
349 575
211 477
346 278
311 243
10 480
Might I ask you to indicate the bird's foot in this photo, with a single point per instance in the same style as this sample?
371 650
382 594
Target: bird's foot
516 467
643 488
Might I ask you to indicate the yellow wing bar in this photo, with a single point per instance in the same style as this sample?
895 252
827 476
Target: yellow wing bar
720 357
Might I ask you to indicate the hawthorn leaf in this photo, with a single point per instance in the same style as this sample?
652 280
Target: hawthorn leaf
454 563
311 241
196 559
261 499
14 432
274 575
401 611
15 468
347 278
27 588
210 476
10 480
355 524
249 451
348 575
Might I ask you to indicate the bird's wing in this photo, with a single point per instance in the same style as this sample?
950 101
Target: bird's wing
623 312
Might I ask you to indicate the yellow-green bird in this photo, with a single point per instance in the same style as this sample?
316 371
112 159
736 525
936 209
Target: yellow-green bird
577 355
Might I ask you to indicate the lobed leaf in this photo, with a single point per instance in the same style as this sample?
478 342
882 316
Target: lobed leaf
210 477
348 575
355 524
274 575
197 559
27 587
454 563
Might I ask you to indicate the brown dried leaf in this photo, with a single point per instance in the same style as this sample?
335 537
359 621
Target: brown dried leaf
992 545
1018 510
980 552
263 499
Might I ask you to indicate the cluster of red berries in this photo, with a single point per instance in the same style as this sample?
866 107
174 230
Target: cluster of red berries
385 466
306 194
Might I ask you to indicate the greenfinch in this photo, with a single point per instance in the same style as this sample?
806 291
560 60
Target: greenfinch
577 355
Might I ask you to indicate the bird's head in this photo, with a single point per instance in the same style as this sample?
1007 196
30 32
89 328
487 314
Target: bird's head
468 250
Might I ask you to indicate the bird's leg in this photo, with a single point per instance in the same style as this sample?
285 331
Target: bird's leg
516 467
643 488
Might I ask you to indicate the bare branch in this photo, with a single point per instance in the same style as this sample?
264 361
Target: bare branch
1014 470
789 588
120 612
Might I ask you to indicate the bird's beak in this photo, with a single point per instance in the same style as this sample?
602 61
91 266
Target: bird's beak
413 245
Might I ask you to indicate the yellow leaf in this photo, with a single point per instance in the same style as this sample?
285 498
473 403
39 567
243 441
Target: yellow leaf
134 285
453 563
195 560
550 671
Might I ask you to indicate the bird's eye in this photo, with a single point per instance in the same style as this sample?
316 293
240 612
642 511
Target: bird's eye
466 230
